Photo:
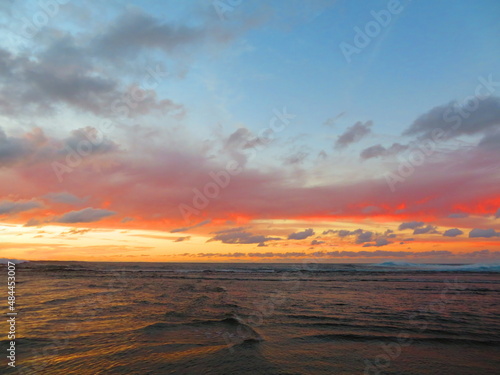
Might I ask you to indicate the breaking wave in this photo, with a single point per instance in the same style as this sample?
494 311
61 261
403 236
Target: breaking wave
478 267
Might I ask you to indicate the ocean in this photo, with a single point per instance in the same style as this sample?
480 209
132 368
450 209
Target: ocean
206 318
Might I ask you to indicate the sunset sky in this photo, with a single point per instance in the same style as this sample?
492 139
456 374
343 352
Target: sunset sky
203 131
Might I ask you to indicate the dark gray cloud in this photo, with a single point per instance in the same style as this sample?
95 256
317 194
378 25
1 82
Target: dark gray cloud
135 31
389 233
301 235
353 134
65 197
76 231
485 233
361 235
332 120
453 232
344 233
184 229
40 84
497 215
386 253
317 242
87 215
449 119
490 141
458 215
431 229
411 225
239 141
33 223
232 236
181 239
364 237
350 254
12 207
378 242
381 151
91 68
36 147
89 138
12 148
291 254
296 158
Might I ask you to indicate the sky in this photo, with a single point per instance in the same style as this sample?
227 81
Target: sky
250 131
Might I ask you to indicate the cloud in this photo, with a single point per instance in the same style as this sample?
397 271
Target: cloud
301 235
92 138
231 236
389 233
184 229
296 158
35 147
158 169
448 119
459 215
135 31
453 232
486 233
180 239
65 197
380 151
490 141
76 231
497 215
12 207
353 134
12 148
378 242
33 223
344 233
361 235
411 225
338 254
87 215
364 237
316 242
332 120
39 84
428 229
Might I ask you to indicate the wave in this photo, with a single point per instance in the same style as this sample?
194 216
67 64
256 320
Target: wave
477 267
16 261
230 324
381 338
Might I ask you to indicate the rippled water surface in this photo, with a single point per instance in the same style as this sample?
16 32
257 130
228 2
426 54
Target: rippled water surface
157 318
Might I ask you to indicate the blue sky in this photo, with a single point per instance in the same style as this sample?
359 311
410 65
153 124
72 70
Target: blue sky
431 52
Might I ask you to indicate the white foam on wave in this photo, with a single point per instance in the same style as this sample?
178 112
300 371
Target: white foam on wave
476 267
16 261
